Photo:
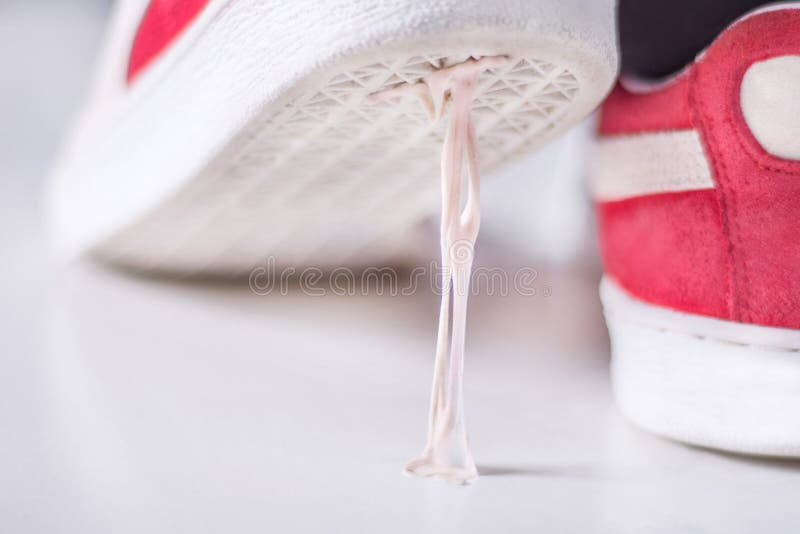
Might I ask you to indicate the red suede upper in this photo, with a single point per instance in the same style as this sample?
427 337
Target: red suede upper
732 252
162 22
629 113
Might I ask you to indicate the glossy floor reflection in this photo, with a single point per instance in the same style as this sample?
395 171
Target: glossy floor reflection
164 407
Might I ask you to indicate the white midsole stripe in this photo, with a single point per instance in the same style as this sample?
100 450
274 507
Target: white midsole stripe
627 166
618 302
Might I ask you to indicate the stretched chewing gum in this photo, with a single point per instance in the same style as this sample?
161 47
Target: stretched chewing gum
447 454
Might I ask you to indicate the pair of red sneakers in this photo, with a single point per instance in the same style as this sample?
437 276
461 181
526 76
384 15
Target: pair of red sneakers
221 132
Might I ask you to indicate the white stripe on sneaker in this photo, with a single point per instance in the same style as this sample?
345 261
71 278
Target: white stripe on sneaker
628 166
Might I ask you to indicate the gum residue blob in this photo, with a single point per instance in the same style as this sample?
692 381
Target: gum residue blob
447 455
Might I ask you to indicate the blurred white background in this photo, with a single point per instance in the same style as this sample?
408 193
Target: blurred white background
135 405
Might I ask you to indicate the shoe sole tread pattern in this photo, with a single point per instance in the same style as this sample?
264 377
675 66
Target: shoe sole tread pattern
366 171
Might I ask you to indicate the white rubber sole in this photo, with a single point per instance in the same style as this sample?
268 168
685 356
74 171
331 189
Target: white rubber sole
255 137
704 381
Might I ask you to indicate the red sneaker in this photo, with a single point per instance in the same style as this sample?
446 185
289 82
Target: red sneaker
697 186
222 134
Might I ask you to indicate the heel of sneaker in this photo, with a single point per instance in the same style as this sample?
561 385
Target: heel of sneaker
698 380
